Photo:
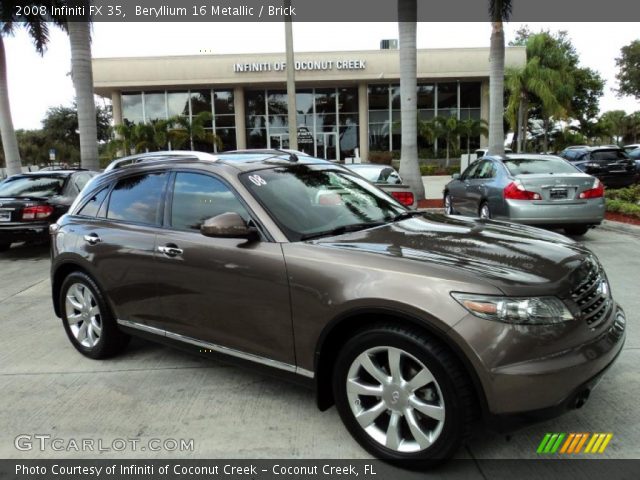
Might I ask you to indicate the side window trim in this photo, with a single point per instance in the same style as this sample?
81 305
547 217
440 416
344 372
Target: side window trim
166 218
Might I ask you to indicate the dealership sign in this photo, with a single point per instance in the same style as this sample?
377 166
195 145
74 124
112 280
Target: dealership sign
301 65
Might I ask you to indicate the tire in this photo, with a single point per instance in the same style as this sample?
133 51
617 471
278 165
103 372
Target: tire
433 381
448 205
4 247
576 230
87 318
484 211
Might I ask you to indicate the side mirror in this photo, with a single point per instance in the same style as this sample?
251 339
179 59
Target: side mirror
228 225
456 176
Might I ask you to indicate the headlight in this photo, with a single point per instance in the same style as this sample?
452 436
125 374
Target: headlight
533 310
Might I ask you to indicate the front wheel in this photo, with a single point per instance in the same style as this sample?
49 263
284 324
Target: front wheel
87 319
402 396
484 211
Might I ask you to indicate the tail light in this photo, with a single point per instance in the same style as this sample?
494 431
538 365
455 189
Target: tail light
405 198
516 191
597 191
36 213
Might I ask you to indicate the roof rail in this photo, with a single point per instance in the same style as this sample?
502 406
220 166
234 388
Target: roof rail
159 156
292 156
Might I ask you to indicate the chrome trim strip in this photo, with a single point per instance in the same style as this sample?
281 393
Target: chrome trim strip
219 348
140 326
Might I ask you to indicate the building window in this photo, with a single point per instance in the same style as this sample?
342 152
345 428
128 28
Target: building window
155 106
178 104
132 111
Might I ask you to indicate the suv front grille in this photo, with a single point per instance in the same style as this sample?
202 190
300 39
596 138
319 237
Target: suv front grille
592 296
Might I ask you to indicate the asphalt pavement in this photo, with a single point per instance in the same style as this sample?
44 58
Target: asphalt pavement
152 391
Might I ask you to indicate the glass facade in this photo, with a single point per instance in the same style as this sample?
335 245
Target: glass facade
459 99
146 107
327 120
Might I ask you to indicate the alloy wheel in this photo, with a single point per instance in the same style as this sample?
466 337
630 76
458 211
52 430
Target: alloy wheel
396 399
83 315
448 207
484 211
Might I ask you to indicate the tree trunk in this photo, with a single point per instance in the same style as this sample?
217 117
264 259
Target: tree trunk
82 74
9 140
520 125
496 89
291 84
525 122
409 167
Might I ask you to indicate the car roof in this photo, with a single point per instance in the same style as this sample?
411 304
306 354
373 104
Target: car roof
50 173
524 156
591 148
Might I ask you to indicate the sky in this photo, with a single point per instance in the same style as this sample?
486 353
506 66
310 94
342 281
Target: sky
38 83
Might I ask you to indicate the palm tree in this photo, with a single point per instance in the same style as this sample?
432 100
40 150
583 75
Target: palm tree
38 30
82 74
183 132
124 140
499 10
472 128
409 167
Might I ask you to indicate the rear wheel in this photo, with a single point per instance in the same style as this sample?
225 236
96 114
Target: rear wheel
87 318
484 211
402 396
576 229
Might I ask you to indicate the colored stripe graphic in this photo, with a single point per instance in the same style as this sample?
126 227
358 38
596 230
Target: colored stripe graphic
573 443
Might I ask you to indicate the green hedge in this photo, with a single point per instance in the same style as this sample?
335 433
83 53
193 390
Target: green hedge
620 206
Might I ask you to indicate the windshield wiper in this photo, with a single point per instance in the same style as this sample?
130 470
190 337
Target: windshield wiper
407 214
340 230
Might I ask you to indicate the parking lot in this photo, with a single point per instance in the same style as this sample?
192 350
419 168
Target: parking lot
156 392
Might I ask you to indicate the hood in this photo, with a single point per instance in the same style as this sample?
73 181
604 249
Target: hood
517 259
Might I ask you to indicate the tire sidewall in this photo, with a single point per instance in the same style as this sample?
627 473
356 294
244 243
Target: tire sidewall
452 433
482 206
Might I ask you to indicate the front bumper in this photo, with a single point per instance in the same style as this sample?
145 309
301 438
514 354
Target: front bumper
532 372
20 232
537 213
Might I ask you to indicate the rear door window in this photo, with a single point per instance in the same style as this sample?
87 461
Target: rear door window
138 198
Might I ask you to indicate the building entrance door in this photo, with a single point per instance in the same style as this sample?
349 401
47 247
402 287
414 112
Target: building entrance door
278 140
327 145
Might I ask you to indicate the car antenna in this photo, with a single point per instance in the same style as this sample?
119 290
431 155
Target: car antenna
292 156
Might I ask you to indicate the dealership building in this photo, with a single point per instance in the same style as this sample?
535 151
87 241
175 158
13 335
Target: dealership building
345 100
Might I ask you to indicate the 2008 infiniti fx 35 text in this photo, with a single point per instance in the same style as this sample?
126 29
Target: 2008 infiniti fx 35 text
415 326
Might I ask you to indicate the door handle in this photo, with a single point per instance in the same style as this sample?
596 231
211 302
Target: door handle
92 239
170 250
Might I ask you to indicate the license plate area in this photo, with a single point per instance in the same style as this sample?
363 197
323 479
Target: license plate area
5 215
558 194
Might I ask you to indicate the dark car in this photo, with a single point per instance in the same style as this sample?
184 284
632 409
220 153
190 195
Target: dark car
30 202
609 163
635 156
542 190
415 326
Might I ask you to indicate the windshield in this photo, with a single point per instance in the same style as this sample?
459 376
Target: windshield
529 166
312 200
32 186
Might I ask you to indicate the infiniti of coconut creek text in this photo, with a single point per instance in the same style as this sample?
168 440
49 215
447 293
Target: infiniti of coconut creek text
173 470
105 11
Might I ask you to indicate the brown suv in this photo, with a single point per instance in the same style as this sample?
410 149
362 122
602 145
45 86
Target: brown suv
414 325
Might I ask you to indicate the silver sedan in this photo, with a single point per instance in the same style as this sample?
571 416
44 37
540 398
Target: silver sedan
542 190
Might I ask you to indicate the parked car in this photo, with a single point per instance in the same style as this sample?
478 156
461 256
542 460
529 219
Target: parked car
30 202
609 163
635 156
631 147
416 326
387 179
531 189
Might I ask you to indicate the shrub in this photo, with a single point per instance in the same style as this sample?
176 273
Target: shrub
629 194
620 206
